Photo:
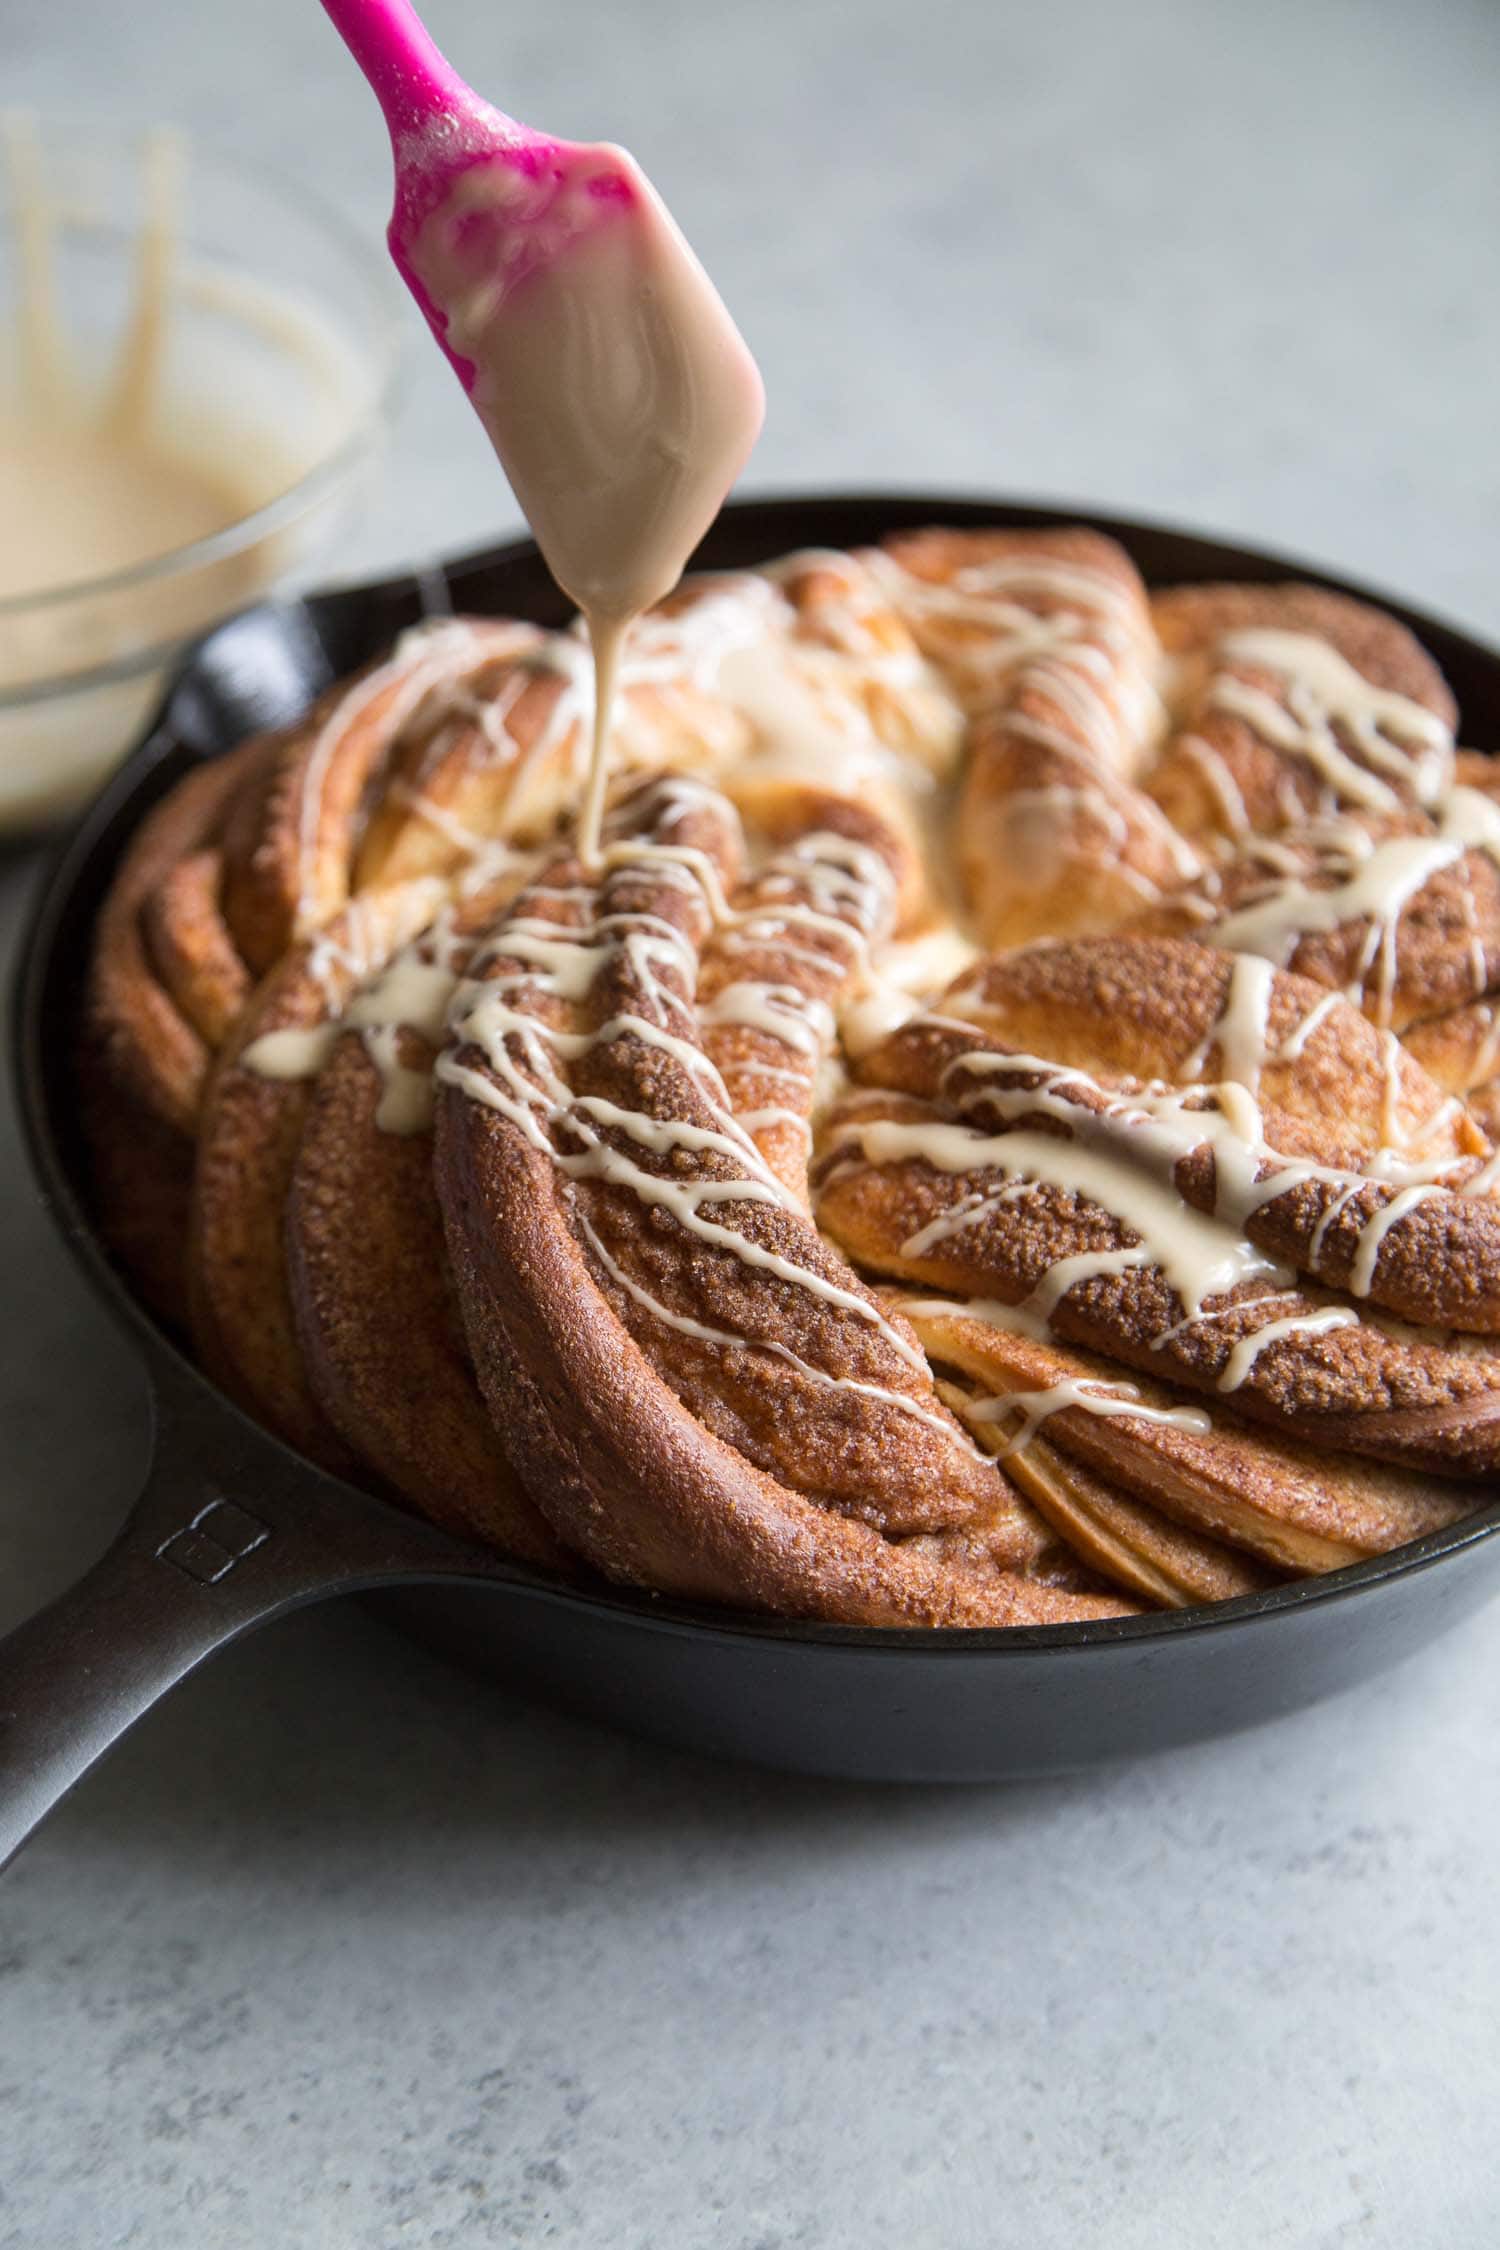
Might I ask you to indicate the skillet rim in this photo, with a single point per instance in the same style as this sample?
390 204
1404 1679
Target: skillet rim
59 905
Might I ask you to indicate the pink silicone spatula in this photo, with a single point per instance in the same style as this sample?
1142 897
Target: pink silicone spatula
616 389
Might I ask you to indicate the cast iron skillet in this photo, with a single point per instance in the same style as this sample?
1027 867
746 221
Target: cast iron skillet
233 1529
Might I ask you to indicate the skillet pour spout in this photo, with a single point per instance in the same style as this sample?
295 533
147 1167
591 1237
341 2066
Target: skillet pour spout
234 1529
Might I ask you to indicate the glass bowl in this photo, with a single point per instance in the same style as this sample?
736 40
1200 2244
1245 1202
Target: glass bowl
279 362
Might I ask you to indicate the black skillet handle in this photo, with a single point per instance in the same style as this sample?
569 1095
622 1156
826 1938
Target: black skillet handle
227 1534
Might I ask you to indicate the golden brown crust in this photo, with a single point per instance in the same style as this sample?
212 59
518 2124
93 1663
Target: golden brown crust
651 1495
902 1211
1297 1507
1220 775
379 1331
841 609
1459 1051
592 1429
1146 1008
1327 1114
1358 1387
248 1138
998 572
1192 619
288 843
190 951
456 763
1049 640
1407 958
149 1046
1131 1544
801 942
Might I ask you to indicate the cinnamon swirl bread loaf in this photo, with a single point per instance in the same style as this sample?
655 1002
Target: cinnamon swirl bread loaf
1000 1135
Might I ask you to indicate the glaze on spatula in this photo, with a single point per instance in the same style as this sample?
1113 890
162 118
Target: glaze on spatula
615 388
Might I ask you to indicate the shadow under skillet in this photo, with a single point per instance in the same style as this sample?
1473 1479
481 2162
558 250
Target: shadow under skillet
328 1748
330 1741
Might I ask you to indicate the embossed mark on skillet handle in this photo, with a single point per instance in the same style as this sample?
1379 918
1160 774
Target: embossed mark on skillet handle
228 1532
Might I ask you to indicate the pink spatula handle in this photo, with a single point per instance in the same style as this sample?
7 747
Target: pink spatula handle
438 127
412 81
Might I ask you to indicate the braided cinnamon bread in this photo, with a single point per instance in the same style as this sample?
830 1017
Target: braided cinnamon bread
999 1136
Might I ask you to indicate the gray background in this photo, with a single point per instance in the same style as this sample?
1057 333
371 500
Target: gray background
341 1950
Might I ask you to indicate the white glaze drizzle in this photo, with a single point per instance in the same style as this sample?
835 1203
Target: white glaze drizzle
522 1079
1080 639
1240 1032
1122 1156
1295 1042
424 658
1219 781
730 1340
1090 1393
1246 1350
1375 883
1324 698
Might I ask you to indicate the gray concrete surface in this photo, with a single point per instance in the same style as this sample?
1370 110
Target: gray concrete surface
340 1950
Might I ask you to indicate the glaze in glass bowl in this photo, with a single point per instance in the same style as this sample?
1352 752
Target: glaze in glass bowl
281 355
